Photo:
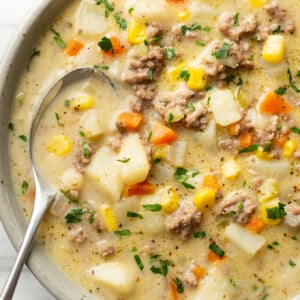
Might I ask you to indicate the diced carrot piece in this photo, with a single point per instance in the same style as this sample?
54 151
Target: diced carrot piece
162 134
280 141
199 272
209 181
246 139
255 224
142 188
274 104
234 128
118 48
73 47
213 257
177 1
130 120
173 291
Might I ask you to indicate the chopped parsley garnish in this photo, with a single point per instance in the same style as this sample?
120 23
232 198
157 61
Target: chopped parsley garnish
190 106
24 187
251 148
120 21
202 44
232 282
291 81
229 78
280 91
108 7
138 261
179 285
57 117
71 198
298 73
236 18
81 133
240 81
67 103
103 68
199 234
125 160
185 75
294 238
181 175
267 147
150 74
193 27
131 9
131 214
23 137
209 88
216 249
32 56
106 45
170 53
223 52
277 29
152 207
91 218
292 263
162 269
276 212
11 126
124 232
146 43
170 119
74 216
273 245
296 129
195 173
86 150
57 38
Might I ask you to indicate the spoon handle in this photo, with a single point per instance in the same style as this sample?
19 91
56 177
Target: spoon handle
36 217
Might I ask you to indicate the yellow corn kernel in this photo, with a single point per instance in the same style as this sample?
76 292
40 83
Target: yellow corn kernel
268 190
109 218
197 80
230 169
170 201
159 152
173 73
60 145
204 199
82 102
264 214
183 15
274 49
264 155
136 32
289 148
257 3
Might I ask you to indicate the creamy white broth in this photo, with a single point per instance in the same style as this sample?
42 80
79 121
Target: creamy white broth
272 272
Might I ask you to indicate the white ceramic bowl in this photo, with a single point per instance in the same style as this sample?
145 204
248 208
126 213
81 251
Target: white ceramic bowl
11 215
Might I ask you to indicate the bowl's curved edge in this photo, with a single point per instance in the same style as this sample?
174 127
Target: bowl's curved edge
11 215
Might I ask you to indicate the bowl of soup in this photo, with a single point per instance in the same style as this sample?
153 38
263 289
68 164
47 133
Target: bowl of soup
179 182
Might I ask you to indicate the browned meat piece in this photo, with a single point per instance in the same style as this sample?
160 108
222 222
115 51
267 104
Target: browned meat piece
292 217
136 104
184 220
256 180
238 206
244 27
105 247
144 91
150 248
195 114
154 30
84 152
228 145
189 277
281 15
114 142
77 235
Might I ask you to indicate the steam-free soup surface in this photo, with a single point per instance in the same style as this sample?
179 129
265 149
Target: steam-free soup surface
183 182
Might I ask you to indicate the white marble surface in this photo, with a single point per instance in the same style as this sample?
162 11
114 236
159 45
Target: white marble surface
12 13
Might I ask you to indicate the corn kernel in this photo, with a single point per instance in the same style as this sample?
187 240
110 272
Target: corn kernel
174 72
170 201
204 199
274 49
109 218
136 32
197 80
268 190
261 154
183 15
82 102
258 3
289 148
264 213
60 145
230 169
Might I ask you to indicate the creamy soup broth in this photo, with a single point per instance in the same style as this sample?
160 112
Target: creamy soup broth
183 183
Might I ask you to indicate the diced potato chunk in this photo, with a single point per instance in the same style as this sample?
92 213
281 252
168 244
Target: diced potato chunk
224 107
230 169
71 180
247 241
133 161
268 190
92 124
115 275
91 20
60 145
105 172
175 153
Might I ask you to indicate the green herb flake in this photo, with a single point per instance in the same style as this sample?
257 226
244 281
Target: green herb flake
152 207
24 187
138 261
199 234
229 78
108 7
170 53
131 214
11 126
190 106
120 21
291 81
292 263
216 249
202 44
223 52
74 216
181 176
232 282
179 285
163 269
251 148
294 238
170 119
146 43
32 56
236 18
103 68
276 212
185 75
124 232
71 198
57 117
195 173
267 147
106 45
124 161
91 218
240 81
280 91
273 245
57 38
150 74
295 129
67 103
298 73
277 30
23 137
193 27
130 10
81 133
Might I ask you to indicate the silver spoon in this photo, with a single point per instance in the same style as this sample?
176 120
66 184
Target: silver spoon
44 193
